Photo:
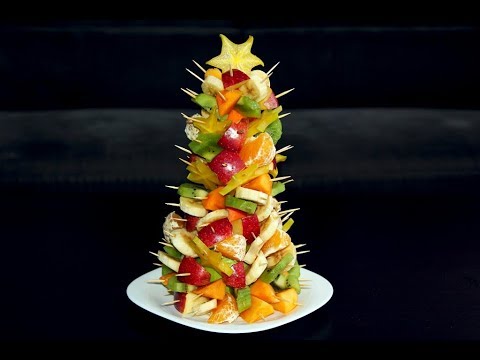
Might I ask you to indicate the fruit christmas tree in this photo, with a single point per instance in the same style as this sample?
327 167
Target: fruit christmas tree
227 253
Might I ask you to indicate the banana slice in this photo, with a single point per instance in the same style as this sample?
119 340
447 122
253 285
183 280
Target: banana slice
192 207
212 85
168 261
256 196
253 250
211 217
268 228
181 240
256 87
264 211
171 224
257 268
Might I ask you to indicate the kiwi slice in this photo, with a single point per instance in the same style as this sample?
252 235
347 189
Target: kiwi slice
281 281
243 205
205 101
191 190
243 298
269 275
275 130
206 145
170 250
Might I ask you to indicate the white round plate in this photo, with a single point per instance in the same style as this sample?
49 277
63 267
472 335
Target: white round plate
151 297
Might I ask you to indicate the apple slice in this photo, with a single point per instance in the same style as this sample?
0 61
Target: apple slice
215 232
186 302
238 278
234 77
250 227
226 164
199 276
234 137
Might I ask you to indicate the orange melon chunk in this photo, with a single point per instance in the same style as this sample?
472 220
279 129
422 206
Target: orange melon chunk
264 291
261 183
214 290
288 300
231 98
259 310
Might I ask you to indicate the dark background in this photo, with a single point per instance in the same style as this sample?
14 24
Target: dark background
386 134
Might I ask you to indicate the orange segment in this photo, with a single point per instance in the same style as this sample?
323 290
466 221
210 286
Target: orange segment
226 310
279 241
258 150
233 247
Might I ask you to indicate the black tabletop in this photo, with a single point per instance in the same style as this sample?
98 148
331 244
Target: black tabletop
404 266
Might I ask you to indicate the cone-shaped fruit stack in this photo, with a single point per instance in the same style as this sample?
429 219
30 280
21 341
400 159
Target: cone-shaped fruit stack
227 253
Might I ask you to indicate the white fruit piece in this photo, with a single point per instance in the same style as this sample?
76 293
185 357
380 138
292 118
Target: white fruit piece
181 239
270 225
257 268
264 211
192 207
204 308
211 217
192 302
212 85
256 87
256 196
273 259
172 222
168 261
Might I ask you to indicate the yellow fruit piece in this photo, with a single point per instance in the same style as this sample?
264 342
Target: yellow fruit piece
288 300
213 72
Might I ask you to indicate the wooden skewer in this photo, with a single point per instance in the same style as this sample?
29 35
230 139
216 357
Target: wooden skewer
285 218
266 78
183 274
285 148
299 245
222 96
286 182
198 77
183 149
191 91
170 302
199 66
185 161
172 187
273 67
283 202
283 115
303 252
303 265
172 204
281 178
284 93
193 119
188 93
165 243
287 211
154 254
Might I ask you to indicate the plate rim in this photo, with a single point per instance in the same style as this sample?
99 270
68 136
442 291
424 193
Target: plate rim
232 328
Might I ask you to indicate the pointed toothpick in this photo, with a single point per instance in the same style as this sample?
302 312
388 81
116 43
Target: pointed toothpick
285 148
168 232
280 178
192 119
303 252
285 218
287 211
272 68
171 302
165 243
172 187
286 182
188 93
198 77
283 115
198 141
303 265
284 93
222 96
299 245
200 197
185 161
183 149
267 77
154 254
199 66
191 91
172 204
283 202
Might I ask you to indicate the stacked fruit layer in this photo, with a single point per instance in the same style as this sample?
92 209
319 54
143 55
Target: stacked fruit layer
227 251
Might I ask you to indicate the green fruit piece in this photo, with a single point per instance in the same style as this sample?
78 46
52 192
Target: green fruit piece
206 145
192 191
277 188
281 281
275 130
170 250
243 205
244 299
207 102
166 270
248 107
175 285
293 278
214 274
271 274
